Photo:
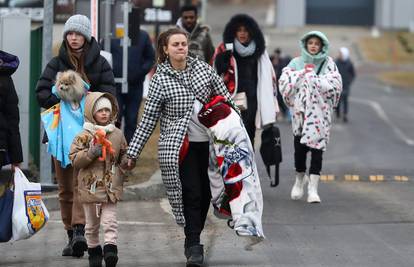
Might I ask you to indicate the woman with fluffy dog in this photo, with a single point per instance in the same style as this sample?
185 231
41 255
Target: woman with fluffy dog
249 76
80 52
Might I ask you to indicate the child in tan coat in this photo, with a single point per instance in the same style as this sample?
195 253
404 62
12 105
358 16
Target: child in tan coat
97 164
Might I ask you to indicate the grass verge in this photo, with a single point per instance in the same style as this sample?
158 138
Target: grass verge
398 78
390 47
147 163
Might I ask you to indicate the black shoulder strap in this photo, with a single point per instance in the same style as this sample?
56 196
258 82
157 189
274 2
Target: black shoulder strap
320 67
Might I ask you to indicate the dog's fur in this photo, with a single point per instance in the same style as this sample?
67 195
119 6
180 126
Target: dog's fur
70 88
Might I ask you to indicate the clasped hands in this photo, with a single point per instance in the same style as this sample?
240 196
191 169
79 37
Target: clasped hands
95 151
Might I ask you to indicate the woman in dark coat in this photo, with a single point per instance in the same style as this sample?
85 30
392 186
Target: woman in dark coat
246 68
347 71
10 143
80 52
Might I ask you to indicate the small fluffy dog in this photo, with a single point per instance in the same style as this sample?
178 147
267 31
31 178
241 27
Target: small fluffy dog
70 87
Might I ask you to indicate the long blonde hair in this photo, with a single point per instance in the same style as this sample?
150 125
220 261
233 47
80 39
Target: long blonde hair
162 42
78 62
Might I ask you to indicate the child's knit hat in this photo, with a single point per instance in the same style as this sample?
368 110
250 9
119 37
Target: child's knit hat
101 103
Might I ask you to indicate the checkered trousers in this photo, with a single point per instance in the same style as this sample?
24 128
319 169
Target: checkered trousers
170 99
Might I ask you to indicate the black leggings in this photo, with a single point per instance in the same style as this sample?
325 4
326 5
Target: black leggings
300 157
196 191
249 118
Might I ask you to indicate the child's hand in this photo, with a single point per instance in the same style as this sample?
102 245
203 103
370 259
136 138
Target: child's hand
95 151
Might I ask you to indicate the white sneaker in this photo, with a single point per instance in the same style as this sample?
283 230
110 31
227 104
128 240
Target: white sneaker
313 196
297 189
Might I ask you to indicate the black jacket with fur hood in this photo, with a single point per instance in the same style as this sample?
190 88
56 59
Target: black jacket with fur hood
222 60
97 69
253 28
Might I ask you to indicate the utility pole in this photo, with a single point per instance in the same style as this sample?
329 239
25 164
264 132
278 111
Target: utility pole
107 27
45 167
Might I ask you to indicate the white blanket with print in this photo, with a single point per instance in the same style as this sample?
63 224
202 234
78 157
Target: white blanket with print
311 98
234 180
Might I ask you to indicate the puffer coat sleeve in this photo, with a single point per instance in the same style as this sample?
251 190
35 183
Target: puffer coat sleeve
9 122
44 94
107 82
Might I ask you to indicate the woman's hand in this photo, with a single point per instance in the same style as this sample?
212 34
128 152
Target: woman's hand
131 164
14 166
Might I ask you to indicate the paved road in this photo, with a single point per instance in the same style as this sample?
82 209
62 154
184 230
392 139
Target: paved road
358 223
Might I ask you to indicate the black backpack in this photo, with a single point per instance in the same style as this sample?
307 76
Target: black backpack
271 151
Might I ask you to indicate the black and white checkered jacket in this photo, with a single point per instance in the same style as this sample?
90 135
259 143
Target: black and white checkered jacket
171 98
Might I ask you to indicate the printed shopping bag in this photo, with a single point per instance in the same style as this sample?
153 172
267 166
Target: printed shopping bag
29 212
6 209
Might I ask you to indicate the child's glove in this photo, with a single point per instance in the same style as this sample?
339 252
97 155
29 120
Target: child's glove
95 151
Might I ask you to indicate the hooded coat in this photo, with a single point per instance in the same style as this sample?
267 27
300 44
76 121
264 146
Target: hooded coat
264 76
97 69
312 95
171 100
10 142
99 181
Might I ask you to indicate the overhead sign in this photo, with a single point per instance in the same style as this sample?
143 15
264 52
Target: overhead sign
158 11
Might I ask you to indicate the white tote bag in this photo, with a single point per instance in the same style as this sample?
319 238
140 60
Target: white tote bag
29 212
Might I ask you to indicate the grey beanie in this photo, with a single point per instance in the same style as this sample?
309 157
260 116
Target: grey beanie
78 23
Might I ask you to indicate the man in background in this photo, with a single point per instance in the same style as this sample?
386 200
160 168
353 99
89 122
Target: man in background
200 43
279 62
141 58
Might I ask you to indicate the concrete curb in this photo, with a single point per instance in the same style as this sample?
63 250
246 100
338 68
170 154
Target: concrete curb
151 189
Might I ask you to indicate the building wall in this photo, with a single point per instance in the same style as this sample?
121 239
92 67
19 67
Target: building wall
290 13
391 14
388 14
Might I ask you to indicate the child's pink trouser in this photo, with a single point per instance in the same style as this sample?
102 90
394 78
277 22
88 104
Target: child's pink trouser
95 214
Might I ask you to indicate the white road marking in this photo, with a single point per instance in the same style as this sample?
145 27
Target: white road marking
382 115
388 89
165 206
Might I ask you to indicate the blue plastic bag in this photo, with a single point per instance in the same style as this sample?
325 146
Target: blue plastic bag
6 209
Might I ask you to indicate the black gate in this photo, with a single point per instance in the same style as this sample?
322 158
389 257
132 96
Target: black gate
350 12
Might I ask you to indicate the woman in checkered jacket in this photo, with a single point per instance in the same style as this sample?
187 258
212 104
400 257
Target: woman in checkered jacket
177 92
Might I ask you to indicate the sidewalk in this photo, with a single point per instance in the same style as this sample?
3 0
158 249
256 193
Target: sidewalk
151 189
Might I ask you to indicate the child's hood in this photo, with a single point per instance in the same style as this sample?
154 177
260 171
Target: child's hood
325 46
90 101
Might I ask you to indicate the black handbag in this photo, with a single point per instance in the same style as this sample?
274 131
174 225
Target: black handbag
271 152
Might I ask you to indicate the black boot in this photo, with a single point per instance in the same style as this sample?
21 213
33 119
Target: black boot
110 255
95 256
67 250
79 244
195 256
